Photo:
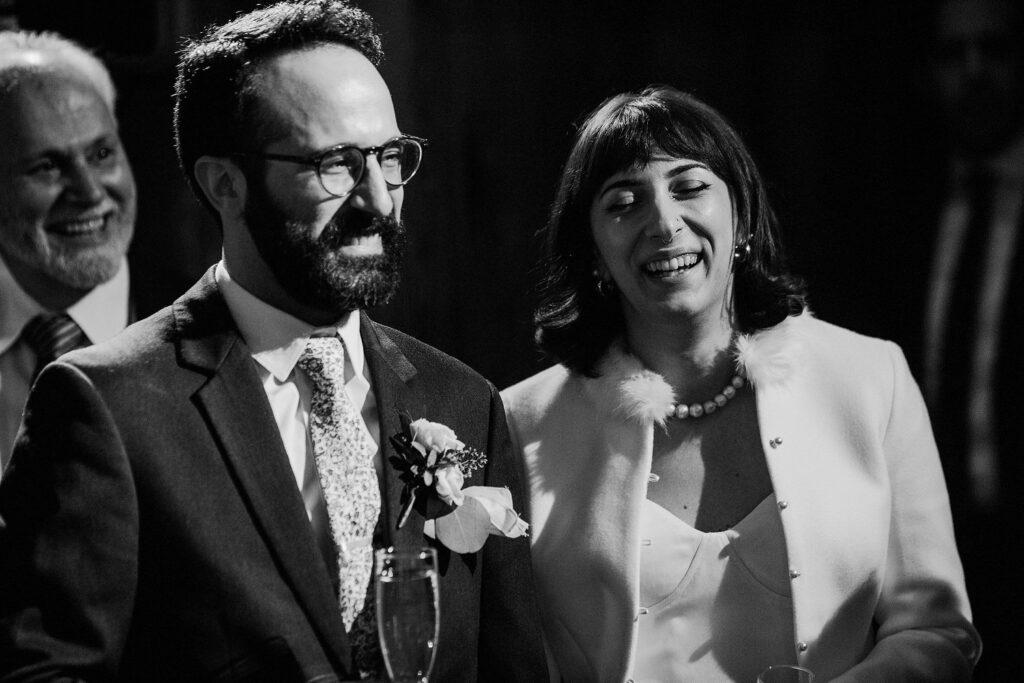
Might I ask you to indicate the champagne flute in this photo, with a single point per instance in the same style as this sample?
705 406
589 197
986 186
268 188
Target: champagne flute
408 617
785 673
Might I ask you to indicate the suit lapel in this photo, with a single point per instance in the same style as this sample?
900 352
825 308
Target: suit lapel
392 375
239 415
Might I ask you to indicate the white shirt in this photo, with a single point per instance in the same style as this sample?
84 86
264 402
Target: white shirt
101 314
276 340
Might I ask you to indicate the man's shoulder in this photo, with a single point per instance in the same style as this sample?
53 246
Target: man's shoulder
425 358
138 344
153 342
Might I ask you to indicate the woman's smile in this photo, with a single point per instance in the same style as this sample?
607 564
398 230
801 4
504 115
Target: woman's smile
673 266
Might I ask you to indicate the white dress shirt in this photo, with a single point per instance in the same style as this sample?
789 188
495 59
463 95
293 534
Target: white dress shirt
276 340
101 314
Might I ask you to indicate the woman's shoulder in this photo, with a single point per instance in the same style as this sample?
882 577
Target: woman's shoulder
537 389
545 379
806 343
844 345
808 332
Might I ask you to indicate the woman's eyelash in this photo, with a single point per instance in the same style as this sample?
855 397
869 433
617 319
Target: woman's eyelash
690 189
623 204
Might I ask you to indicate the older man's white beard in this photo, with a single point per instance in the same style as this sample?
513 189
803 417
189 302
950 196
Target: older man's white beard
82 269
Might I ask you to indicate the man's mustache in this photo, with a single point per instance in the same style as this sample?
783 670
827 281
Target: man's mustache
344 226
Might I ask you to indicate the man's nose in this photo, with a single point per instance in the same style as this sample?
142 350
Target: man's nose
85 184
372 194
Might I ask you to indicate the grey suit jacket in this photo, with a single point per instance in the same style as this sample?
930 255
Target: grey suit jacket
152 529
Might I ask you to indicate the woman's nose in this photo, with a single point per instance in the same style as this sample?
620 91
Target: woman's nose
665 220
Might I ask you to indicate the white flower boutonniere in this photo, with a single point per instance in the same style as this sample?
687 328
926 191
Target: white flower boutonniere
433 463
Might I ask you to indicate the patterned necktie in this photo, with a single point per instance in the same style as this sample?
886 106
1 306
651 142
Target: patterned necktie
51 335
344 461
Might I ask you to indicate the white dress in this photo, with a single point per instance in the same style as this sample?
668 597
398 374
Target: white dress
714 606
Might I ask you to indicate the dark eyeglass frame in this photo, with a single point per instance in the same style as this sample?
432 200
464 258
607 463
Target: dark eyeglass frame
315 160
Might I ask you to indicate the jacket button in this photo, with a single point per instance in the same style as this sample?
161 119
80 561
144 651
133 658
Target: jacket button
783 504
776 442
794 573
802 646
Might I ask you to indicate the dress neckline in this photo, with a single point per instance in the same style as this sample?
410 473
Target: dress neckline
747 520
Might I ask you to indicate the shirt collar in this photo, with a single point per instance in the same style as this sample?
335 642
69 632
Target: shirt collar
101 313
276 338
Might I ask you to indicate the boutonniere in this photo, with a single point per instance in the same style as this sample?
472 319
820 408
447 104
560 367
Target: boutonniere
433 464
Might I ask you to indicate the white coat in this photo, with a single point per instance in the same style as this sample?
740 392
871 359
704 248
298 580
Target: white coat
878 588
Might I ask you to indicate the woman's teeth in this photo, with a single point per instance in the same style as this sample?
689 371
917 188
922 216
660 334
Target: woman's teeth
672 264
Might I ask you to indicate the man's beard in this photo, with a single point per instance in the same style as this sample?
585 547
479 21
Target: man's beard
313 271
80 267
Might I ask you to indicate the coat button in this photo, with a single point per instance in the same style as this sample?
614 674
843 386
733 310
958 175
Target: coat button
802 646
794 573
783 504
776 442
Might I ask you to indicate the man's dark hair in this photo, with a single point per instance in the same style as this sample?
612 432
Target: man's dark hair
575 323
216 97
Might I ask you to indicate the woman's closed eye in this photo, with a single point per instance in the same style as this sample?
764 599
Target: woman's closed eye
621 202
689 188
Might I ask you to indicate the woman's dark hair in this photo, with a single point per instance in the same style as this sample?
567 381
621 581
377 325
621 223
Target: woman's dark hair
575 323
217 99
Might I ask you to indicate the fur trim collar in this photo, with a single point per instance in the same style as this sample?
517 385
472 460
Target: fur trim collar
628 390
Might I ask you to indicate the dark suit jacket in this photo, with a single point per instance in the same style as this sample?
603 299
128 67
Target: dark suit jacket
154 530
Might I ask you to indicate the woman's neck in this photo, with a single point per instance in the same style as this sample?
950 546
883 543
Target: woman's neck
694 357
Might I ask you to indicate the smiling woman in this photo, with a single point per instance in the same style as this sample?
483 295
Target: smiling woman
610 166
719 481
664 234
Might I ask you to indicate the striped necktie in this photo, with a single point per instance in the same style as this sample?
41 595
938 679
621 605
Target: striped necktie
343 454
51 335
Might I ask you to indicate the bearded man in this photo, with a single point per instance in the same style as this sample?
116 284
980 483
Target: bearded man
67 211
199 498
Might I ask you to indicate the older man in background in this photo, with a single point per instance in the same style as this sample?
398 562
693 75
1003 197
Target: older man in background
67 211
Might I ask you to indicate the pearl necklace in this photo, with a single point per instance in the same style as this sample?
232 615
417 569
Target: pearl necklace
683 411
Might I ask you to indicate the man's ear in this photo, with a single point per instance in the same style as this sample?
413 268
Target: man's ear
224 185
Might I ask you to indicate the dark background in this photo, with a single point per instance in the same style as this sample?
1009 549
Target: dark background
827 94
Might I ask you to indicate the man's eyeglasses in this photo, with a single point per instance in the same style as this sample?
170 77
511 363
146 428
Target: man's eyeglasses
340 169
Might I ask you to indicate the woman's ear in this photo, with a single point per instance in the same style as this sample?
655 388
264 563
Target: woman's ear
224 185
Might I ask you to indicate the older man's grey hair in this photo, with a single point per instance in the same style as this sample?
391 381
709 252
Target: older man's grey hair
29 54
